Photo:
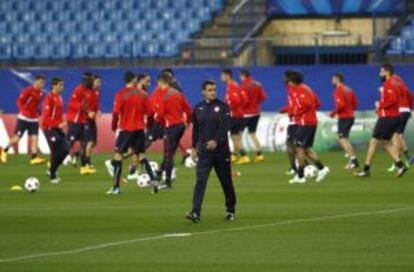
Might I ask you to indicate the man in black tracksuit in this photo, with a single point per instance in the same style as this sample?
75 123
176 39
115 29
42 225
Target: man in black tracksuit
211 123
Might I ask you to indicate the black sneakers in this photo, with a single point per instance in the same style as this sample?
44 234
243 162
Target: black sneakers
229 217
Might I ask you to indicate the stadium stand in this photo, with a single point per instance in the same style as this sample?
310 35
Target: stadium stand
329 7
48 29
404 43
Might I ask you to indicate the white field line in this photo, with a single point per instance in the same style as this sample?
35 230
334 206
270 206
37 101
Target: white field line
186 235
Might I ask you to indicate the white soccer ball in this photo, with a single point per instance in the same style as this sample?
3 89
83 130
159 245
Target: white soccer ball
310 171
173 175
189 162
32 184
143 181
154 166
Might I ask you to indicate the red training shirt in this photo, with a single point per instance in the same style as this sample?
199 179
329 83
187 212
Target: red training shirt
255 94
173 108
389 102
28 103
131 107
346 102
52 113
77 106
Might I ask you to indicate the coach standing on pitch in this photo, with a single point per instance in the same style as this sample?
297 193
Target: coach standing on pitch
211 122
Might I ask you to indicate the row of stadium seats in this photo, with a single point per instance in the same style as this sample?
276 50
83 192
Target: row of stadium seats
109 5
30 17
89 29
86 50
404 44
327 7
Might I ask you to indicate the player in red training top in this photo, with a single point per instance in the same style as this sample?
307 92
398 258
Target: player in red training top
93 112
305 106
28 104
387 124
292 126
405 102
251 111
77 115
53 124
235 98
131 108
174 112
346 103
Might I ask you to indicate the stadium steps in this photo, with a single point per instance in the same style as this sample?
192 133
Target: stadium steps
207 51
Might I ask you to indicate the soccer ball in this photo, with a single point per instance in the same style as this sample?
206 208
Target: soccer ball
154 166
173 175
32 184
189 162
310 171
143 181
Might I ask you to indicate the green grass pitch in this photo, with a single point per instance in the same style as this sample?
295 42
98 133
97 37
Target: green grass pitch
342 224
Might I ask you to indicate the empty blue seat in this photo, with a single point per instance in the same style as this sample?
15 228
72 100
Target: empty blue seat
78 50
168 50
60 51
150 49
23 51
5 51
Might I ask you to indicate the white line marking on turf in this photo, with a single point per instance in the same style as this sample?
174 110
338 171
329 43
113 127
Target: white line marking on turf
177 234
182 235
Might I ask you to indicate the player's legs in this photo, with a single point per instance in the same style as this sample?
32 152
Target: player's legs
172 138
122 144
251 124
21 127
91 139
344 128
290 148
222 167
33 131
203 168
59 149
240 125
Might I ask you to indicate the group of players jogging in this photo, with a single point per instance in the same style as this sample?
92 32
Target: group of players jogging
140 119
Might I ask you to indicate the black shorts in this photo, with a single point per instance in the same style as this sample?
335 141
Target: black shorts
291 131
404 118
155 132
56 140
22 125
130 139
304 136
91 131
385 128
236 125
344 127
76 132
251 123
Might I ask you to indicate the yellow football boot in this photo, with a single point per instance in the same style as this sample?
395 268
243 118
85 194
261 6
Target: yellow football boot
243 160
37 161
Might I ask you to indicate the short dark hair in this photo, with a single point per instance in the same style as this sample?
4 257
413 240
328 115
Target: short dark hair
288 74
339 76
129 76
40 77
56 80
96 76
207 82
228 72
245 72
388 67
296 77
141 76
165 77
168 70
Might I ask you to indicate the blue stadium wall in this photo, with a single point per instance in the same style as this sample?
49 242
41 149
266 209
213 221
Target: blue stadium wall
362 78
